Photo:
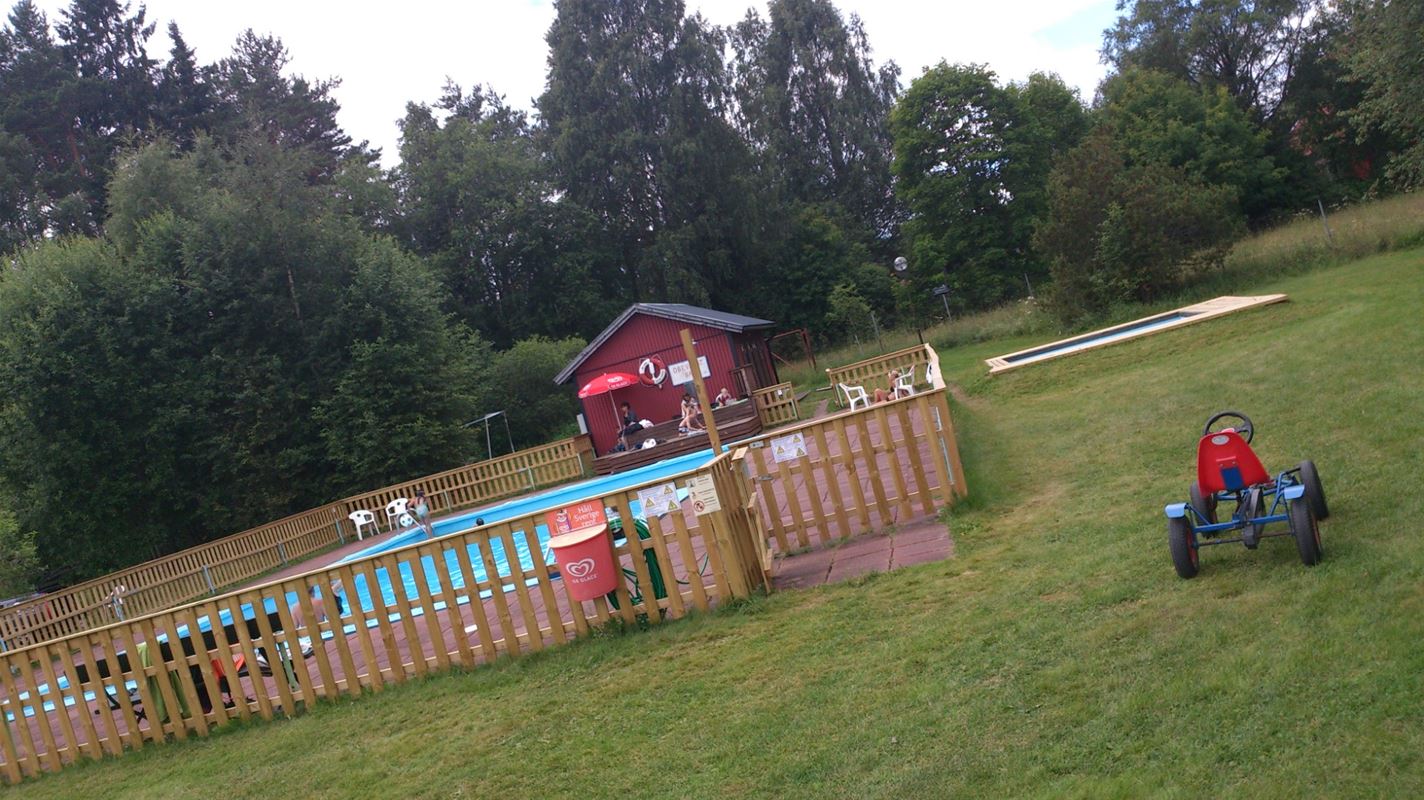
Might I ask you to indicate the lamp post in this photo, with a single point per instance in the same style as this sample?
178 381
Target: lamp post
942 292
901 266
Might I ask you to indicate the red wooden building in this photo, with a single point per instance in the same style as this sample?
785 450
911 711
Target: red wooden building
645 340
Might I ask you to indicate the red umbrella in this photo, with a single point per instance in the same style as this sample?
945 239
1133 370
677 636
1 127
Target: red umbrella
605 384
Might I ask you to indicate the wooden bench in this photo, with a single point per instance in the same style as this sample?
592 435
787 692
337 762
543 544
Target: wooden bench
735 421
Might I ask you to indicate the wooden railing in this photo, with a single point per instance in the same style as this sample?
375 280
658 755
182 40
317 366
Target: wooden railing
872 372
857 471
66 701
776 405
203 570
120 688
481 482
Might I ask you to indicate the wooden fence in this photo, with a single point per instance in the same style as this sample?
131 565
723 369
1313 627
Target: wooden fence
460 602
857 471
872 372
173 674
776 405
203 570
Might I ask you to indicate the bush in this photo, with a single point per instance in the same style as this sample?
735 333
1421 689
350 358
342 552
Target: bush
848 313
1117 233
20 563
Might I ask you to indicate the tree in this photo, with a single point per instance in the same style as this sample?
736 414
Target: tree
254 96
1118 231
637 135
20 565
1249 48
238 352
815 109
848 314
477 199
1384 55
49 159
185 98
971 158
518 383
1157 119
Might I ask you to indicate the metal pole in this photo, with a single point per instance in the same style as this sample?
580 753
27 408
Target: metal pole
1328 234
506 431
945 298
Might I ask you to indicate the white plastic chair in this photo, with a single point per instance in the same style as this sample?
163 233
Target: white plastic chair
855 394
905 384
394 509
362 518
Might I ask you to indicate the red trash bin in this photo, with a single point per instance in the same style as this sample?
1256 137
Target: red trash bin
585 558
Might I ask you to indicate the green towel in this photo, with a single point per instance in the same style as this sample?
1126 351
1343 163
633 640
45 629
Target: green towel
159 711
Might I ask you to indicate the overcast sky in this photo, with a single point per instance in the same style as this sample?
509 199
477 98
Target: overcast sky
389 54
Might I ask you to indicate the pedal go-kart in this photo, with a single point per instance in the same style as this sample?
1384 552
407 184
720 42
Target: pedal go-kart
1229 471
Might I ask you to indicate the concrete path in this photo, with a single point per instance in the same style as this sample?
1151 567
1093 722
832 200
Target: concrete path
916 542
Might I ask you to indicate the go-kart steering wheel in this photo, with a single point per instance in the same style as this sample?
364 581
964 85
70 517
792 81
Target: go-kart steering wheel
1246 429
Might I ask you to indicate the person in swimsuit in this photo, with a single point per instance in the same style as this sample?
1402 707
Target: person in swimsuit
421 508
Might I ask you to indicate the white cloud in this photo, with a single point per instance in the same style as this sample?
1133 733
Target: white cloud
389 54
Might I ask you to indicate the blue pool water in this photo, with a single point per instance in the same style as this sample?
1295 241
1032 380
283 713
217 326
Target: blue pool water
450 574
1079 342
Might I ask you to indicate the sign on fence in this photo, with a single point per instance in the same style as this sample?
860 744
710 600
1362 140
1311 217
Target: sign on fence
658 500
788 448
704 494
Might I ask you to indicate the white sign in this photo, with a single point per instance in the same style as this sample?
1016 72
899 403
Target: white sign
682 373
704 494
788 448
658 500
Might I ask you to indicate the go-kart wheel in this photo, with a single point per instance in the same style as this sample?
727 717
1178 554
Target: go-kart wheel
1205 506
1306 532
1314 492
1182 542
1246 429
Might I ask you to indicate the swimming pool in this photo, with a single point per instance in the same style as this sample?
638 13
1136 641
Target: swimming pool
1185 315
451 573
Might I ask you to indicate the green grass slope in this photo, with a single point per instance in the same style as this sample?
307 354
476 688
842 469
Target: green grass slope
1057 655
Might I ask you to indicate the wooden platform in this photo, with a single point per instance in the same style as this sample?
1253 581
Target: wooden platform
733 422
1169 320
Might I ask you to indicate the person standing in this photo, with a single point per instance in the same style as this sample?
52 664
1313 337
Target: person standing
421 507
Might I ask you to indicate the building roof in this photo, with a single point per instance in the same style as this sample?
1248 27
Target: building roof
677 312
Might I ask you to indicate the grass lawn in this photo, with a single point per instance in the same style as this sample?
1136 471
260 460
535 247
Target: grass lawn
1057 655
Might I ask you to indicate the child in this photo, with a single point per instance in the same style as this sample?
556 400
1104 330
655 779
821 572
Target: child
894 390
422 512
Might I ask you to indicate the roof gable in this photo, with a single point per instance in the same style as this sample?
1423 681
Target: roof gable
678 312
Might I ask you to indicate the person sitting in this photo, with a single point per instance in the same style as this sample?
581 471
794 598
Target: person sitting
723 397
622 445
893 392
630 421
690 416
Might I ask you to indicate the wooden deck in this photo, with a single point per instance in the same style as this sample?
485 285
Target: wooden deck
733 422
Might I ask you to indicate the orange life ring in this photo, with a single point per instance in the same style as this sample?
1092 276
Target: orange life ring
652 371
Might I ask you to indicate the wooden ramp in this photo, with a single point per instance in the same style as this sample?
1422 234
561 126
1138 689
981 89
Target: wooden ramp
1186 315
